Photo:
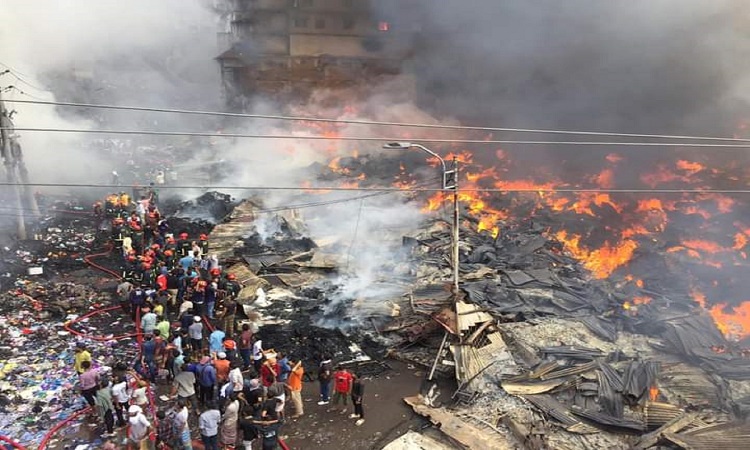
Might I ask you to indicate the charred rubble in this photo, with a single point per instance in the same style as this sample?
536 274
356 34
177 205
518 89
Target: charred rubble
551 358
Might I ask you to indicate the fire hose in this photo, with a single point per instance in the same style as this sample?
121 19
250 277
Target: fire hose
68 327
59 425
88 260
12 442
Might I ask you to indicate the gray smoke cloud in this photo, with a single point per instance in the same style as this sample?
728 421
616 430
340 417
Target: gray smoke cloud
108 52
639 66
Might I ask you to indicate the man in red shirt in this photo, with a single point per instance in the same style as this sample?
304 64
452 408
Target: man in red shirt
342 386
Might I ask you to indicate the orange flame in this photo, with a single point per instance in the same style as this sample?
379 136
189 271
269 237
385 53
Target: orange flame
653 393
601 261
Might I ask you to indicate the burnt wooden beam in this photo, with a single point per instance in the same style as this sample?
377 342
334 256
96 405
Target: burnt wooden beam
675 425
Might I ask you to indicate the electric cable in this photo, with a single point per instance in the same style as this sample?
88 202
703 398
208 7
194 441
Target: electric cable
322 189
373 138
379 123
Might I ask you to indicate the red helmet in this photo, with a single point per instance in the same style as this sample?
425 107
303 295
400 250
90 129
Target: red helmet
215 271
183 235
203 237
231 276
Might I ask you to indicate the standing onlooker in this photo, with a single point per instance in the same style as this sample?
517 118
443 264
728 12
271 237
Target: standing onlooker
89 382
148 321
246 345
257 352
208 423
222 368
183 387
139 427
164 431
81 355
216 341
105 408
358 391
121 398
206 381
229 422
269 371
284 368
196 334
342 384
249 431
181 426
324 377
295 386
163 326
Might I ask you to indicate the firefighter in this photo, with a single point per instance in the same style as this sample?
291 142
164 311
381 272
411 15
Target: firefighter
184 246
136 232
117 232
111 205
124 201
203 244
98 210
232 286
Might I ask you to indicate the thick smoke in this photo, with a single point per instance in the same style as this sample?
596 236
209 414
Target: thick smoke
636 66
127 53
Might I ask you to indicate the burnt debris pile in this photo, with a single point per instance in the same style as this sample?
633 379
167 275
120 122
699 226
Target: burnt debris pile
549 356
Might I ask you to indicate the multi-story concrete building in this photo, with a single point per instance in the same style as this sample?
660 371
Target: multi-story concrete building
287 48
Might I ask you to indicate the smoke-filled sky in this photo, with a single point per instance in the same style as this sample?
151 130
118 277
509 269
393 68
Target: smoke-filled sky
627 66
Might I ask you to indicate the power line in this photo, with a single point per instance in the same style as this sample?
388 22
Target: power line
379 139
323 189
381 123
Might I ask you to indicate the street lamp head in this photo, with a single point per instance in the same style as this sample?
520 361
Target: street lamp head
398 145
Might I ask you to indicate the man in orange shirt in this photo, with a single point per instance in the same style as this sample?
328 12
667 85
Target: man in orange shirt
222 368
295 386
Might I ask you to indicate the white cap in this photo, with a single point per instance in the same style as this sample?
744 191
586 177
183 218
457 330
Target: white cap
222 355
134 409
196 318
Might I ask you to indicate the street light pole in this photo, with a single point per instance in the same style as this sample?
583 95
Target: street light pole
454 247
450 182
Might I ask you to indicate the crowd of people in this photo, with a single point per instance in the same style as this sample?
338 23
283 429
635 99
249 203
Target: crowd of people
217 381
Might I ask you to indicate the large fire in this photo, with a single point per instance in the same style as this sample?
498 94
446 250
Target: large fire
604 230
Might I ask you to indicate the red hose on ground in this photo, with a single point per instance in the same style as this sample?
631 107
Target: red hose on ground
12 442
87 260
60 424
68 328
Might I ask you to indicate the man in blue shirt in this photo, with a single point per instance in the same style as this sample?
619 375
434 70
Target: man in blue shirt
186 262
216 340
206 381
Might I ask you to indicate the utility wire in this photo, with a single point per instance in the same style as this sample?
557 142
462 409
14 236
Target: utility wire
380 123
392 189
374 138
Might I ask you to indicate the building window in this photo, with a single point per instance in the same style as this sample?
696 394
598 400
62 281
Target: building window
320 23
348 23
300 22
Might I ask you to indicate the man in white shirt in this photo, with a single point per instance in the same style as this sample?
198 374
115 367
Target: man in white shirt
148 322
140 427
181 425
257 354
208 423
121 398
